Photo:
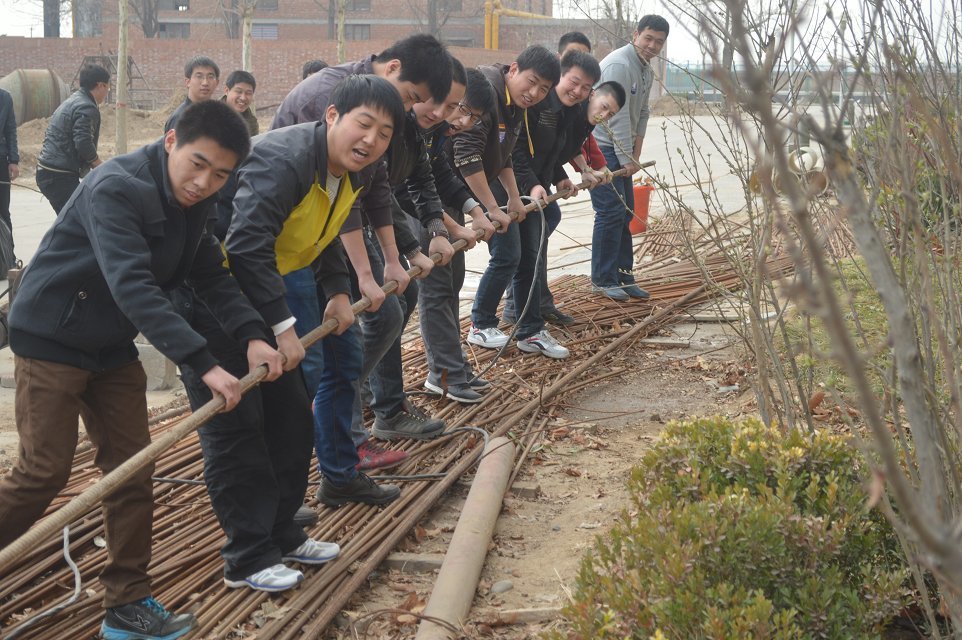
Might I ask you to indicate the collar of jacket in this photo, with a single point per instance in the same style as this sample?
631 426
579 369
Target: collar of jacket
320 157
157 157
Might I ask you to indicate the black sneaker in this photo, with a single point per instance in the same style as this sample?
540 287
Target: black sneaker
305 517
145 620
557 318
409 422
462 393
361 489
479 384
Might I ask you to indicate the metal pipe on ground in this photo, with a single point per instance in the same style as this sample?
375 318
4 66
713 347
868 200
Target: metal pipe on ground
457 580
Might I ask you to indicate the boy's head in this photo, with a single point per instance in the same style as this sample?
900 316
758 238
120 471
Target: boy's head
364 114
206 145
431 113
573 41
479 99
96 80
312 66
201 75
240 90
416 67
650 36
579 72
531 76
607 99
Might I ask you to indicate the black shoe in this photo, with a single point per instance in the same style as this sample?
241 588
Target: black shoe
361 489
634 291
305 517
479 384
145 620
557 318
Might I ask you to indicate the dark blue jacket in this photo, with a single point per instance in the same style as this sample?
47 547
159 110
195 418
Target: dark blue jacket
103 269
70 143
8 129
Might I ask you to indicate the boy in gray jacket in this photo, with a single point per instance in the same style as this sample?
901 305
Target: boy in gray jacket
620 142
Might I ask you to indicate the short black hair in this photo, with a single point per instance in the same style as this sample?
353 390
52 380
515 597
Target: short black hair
653 22
92 75
541 61
214 119
313 66
573 36
241 76
584 61
355 91
479 95
421 56
457 72
613 88
200 61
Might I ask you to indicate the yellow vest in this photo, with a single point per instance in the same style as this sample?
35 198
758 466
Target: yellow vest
312 225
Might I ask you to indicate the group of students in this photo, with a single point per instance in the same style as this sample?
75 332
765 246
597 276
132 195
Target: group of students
368 168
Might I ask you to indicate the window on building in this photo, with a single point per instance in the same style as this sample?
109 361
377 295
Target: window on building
358 5
451 6
456 41
173 5
267 5
357 32
182 5
173 30
264 31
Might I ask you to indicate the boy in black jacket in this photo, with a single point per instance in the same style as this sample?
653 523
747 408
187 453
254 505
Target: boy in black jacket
132 231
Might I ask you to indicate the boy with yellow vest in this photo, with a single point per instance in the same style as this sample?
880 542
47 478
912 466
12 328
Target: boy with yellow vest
293 193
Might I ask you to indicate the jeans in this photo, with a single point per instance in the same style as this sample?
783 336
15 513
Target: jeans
57 187
50 396
382 329
513 257
552 218
256 457
611 250
441 327
302 300
331 370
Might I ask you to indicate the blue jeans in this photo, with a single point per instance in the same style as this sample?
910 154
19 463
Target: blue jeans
513 257
302 300
331 369
552 218
611 251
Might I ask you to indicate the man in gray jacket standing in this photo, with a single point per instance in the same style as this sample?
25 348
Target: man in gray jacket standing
620 142
70 144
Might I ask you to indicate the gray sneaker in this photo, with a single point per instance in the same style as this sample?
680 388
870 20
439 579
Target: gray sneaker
409 422
361 489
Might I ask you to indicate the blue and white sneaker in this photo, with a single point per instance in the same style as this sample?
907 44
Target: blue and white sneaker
313 552
490 338
145 620
272 579
543 343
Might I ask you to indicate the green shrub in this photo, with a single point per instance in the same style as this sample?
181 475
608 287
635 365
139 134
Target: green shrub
738 531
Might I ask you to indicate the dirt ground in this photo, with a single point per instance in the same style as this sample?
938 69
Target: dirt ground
579 475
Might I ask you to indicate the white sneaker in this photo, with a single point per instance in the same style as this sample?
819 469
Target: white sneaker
543 343
313 552
492 338
274 578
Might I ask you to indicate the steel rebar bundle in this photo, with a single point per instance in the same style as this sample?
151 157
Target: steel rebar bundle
186 566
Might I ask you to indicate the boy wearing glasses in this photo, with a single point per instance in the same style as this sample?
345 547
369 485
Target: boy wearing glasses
201 75
70 145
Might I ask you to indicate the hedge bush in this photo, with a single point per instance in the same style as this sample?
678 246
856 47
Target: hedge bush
738 531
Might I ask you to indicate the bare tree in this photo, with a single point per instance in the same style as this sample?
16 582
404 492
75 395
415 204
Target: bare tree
145 12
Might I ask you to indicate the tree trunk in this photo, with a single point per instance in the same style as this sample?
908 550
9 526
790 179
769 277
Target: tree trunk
246 27
86 19
341 6
122 77
51 19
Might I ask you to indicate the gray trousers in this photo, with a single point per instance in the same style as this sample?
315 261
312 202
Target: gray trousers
440 316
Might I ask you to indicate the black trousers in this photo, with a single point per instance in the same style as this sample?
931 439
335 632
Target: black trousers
255 466
57 187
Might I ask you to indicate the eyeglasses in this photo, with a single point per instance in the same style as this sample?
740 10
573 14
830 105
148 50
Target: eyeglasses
466 112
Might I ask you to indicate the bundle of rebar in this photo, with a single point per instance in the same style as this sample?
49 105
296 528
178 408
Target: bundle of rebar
528 392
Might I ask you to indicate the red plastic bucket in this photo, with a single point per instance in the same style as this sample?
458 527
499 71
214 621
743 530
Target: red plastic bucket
639 221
